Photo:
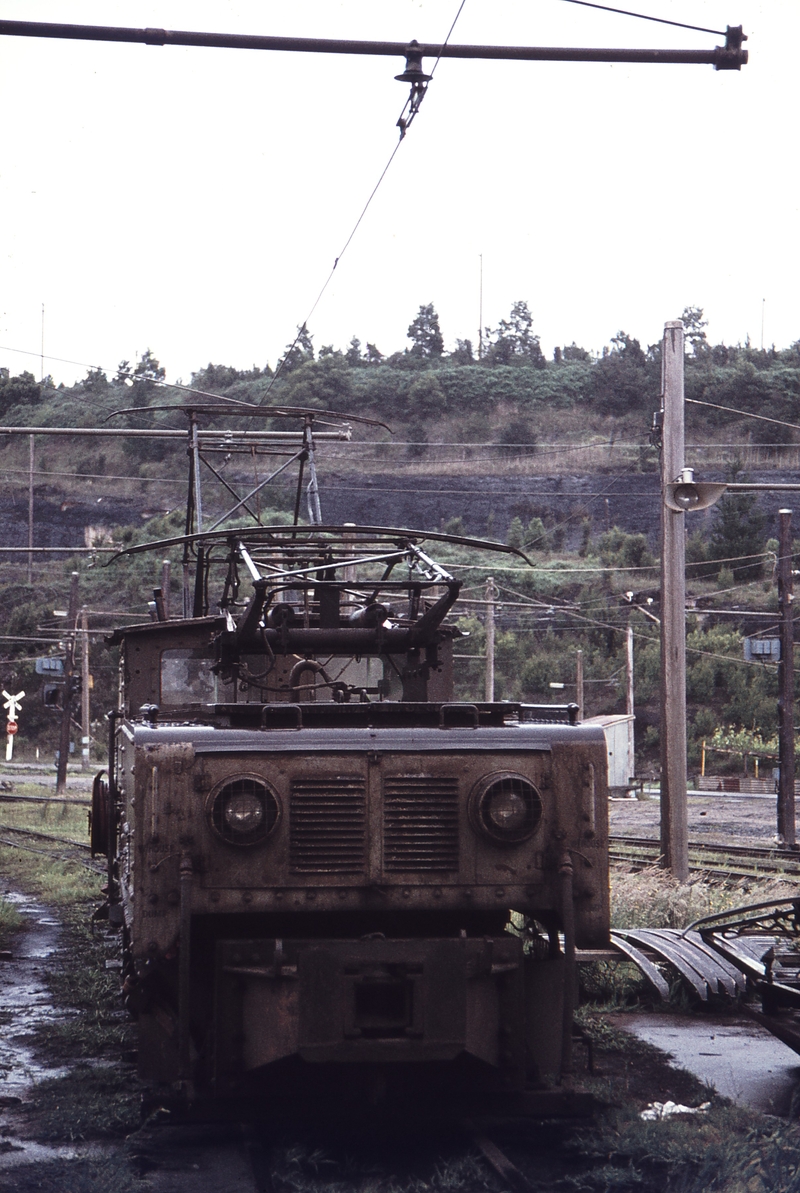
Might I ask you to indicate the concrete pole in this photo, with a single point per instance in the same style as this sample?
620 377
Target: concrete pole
86 725
629 671
786 812
579 682
166 581
674 810
491 593
69 667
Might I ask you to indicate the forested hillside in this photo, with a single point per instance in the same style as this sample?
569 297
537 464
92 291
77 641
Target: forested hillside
562 448
506 391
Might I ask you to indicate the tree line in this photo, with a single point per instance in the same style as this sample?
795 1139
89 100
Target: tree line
423 382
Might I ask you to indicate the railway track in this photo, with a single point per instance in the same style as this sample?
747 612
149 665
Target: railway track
717 860
69 851
241 1157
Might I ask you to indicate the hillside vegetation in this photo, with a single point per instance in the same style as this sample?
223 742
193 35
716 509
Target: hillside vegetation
508 395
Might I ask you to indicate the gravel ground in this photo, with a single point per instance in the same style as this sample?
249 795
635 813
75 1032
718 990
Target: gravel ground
726 819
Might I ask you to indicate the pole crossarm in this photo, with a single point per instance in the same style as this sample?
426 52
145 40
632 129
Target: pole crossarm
225 439
728 57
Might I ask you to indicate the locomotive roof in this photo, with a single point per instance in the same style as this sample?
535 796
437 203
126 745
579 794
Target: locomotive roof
208 739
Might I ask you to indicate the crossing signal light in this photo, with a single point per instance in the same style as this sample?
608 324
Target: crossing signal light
53 695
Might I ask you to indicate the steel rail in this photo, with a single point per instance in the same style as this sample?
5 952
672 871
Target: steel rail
716 872
29 832
720 56
756 851
766 865
55 857
7 798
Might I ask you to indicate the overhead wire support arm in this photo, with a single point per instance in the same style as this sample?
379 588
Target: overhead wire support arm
731 56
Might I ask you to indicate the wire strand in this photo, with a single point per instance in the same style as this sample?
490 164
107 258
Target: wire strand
404 127
644 17
446 40
745 413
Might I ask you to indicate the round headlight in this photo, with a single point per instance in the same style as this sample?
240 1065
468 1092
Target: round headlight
506 808
243 811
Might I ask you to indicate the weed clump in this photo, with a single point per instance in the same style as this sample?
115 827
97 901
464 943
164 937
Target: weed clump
723 1151
10 921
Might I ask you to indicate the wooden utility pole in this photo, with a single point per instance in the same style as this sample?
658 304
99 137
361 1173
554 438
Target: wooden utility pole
491 596
786 813
30 509
674 811
69 669
86 726
579 683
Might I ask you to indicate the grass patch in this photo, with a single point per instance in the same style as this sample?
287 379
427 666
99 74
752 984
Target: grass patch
724 1151
77 978
89 1102
10 922
303 1169
67 885
72 1176
608 1038
92 1101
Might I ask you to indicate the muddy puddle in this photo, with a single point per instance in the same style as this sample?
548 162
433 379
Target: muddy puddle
732 1054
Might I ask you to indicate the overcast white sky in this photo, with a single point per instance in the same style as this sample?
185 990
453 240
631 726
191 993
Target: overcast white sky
193 200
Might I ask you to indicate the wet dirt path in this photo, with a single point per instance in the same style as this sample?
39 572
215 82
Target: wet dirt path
740 1059
25 1003
25 1006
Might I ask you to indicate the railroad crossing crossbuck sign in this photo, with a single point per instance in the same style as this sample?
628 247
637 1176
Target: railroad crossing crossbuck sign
11 704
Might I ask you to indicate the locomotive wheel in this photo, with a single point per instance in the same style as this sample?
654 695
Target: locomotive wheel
98 823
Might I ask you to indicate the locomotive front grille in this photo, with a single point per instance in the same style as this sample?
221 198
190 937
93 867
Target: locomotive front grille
327 826
420 823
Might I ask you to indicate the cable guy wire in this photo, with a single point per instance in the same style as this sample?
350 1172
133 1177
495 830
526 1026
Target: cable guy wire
412 104
745 413
643 17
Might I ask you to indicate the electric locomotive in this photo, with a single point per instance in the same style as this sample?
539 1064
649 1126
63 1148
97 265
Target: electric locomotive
321 862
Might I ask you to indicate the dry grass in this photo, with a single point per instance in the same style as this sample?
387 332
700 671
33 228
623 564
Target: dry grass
652 898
